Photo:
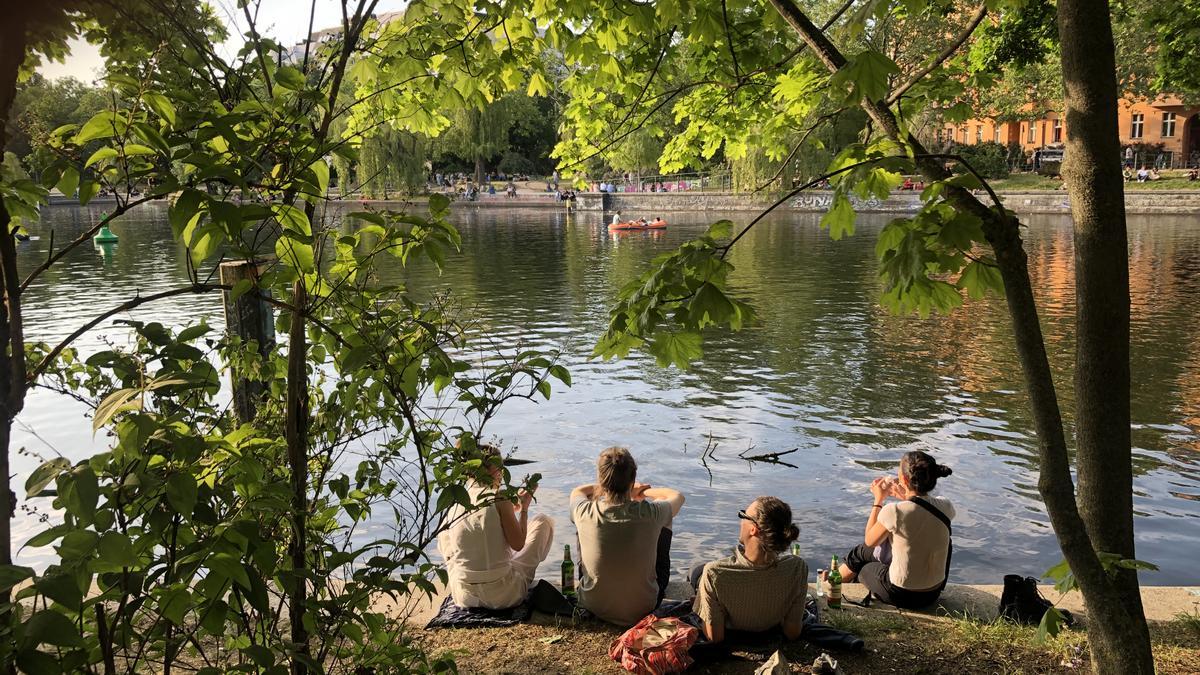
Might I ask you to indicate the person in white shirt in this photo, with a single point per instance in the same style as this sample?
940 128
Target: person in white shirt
904 559
616 218
493 551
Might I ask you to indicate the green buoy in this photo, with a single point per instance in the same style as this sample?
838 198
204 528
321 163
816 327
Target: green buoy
105 235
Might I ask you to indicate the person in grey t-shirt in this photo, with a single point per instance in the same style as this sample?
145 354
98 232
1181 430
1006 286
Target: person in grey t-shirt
624 530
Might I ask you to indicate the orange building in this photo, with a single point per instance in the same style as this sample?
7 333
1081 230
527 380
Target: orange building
1166 121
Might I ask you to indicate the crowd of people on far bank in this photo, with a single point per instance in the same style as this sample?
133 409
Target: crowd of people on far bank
625 529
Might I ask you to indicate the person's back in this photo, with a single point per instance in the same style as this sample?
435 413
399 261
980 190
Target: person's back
920 542
759 587
624 540
492 552
617 554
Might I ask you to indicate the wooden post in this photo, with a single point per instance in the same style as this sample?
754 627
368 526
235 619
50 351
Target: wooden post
250 318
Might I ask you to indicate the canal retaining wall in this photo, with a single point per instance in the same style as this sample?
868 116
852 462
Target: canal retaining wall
650 203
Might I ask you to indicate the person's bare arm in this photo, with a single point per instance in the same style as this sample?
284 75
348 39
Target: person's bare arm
661 494
714 632
513 525
792 629
585 491
874 533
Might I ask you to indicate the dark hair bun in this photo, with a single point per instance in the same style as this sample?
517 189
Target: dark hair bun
943 471
791 533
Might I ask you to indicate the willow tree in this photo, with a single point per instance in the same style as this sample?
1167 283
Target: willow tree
744 73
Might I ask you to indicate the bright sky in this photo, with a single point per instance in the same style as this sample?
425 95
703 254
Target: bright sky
284 20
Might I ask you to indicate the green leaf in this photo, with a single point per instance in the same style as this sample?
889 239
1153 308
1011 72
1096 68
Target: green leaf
161 106
101 155
868 72
678 349
183 210
290 78
11 575
116 551
1065 578
103 124
439 204
292 219
45 474
34 662
181 493
1050 625
51 627
116 402
69 182
295 253
722 229
175 603
560 372
61 588
320 171
87 190
840 218
138 149
240 288
710 306
374 218
84 492
979 277
229 567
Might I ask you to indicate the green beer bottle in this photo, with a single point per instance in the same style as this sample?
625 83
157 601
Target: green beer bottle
834 600
568 573
796 549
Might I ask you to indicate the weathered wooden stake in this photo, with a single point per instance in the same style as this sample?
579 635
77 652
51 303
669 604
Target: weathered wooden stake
250 318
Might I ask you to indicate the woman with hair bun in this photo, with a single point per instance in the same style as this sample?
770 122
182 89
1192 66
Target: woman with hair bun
760 586
904 559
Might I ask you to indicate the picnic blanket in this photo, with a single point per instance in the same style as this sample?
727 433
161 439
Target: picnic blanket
452 616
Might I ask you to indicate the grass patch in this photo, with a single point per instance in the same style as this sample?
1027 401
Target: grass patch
1171 180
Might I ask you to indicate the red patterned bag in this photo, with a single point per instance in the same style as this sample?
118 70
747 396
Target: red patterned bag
655 646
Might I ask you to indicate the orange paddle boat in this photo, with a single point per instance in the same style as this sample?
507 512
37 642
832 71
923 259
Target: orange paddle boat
635 225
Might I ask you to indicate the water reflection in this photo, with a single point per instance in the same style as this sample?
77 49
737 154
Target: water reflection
827 371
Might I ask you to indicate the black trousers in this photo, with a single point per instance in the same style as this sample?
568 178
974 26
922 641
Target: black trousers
662 564
874 575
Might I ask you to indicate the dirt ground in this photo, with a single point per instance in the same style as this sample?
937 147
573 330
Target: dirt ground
954 641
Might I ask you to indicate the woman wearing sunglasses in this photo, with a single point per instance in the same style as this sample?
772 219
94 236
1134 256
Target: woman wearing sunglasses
759 587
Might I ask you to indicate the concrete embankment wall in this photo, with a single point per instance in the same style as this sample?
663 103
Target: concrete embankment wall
650 203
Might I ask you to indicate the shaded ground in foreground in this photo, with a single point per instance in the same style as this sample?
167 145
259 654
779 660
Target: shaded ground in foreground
897 642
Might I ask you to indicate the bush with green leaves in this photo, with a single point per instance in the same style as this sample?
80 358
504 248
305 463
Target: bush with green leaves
989 159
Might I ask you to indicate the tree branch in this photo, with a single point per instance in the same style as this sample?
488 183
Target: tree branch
941 58
123 307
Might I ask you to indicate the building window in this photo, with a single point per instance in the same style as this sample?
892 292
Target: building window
1168 129
1029 134
978 133
1058 131
1135 127
964 135
996 133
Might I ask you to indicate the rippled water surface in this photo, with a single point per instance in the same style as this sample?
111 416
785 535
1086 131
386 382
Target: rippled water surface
827 372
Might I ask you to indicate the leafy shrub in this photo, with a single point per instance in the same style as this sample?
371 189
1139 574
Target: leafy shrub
989 159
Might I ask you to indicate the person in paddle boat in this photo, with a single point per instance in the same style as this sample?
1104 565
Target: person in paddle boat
493 552
616 218
658 221
640 222
904 559
624 530
760 586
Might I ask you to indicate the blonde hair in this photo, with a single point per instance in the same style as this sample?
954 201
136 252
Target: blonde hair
615 472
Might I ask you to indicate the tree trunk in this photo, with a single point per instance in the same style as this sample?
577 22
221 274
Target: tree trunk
479 173
12 342
296 429
1092 175
1116 614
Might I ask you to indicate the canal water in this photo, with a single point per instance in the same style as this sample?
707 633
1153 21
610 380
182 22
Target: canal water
827 372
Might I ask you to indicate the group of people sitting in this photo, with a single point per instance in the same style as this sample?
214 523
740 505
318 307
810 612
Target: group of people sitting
624 532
